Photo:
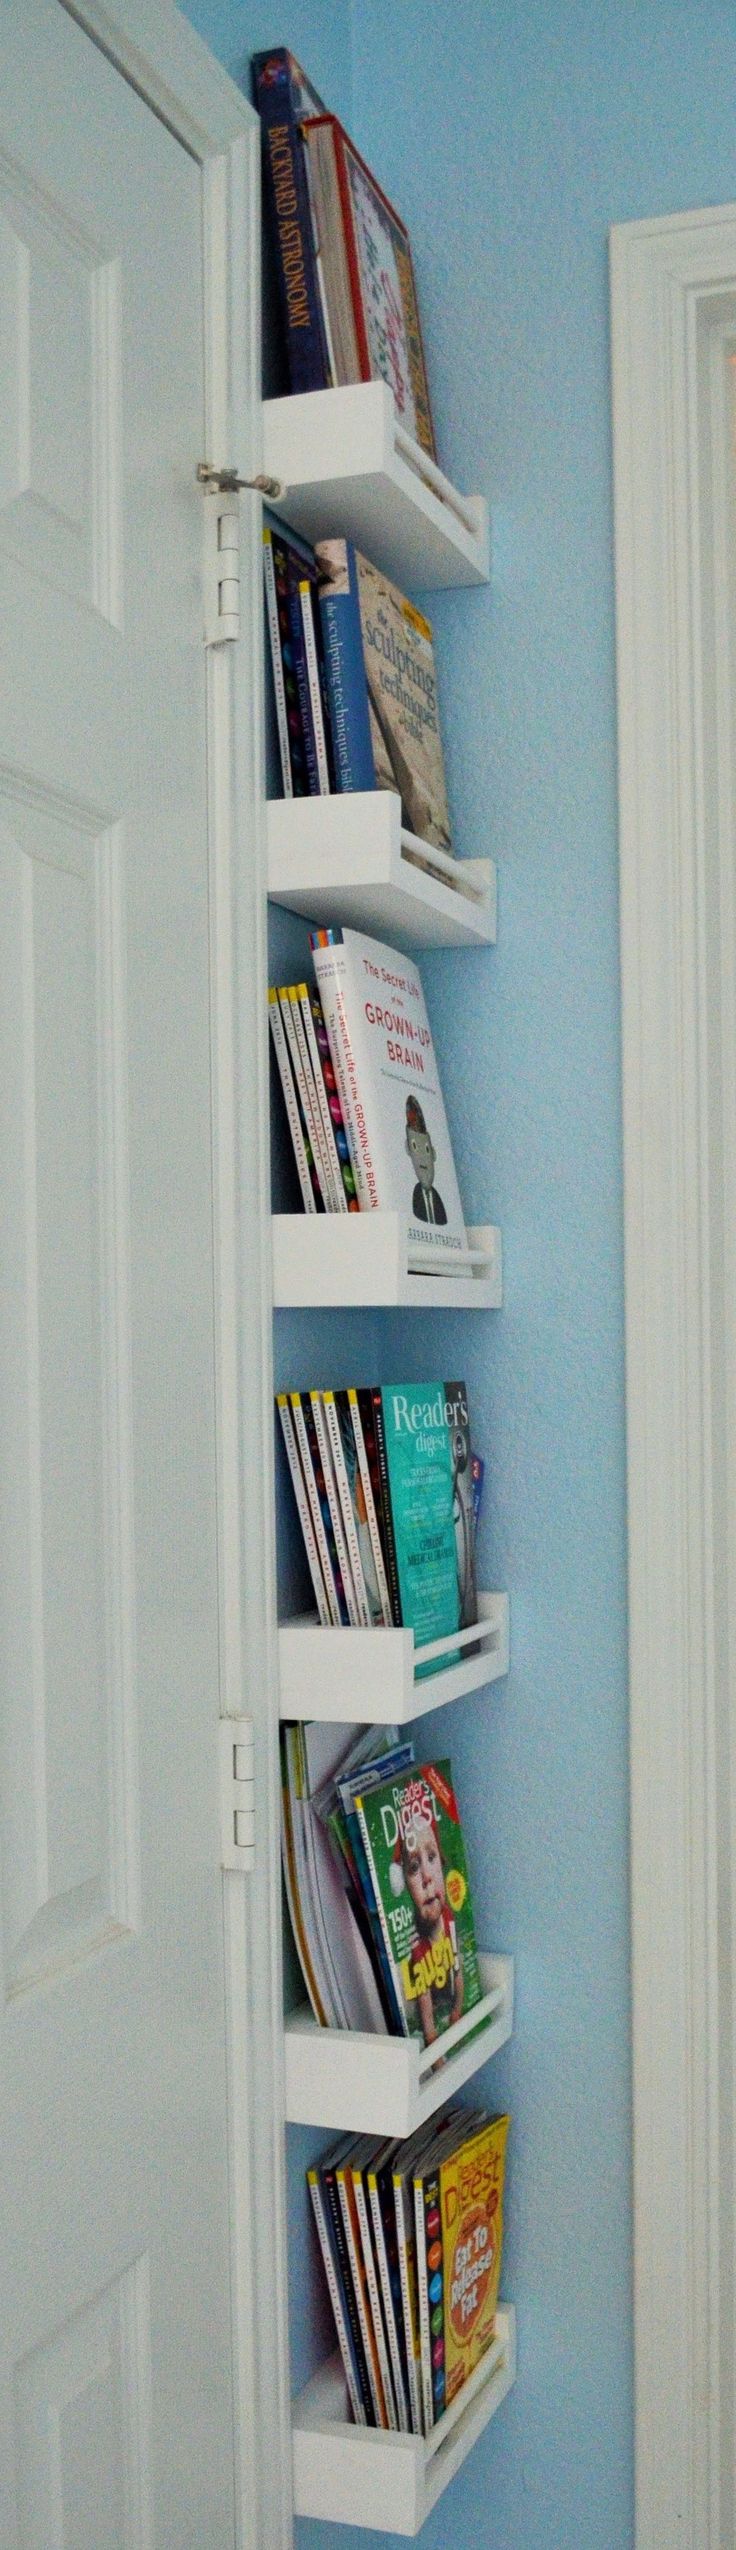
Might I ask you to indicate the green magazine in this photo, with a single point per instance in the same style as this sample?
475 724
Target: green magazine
418 1444
415 1852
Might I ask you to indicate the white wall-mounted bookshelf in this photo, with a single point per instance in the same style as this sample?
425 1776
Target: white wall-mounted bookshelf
363 1261
347 468
381 1668
348 862
357 2475
388 2084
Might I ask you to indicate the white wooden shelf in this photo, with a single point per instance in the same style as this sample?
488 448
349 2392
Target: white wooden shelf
347 861
348 469
373 1674
384 2482
354 2082
361 1261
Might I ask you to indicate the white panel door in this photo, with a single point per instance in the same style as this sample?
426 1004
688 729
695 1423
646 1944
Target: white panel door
116 2377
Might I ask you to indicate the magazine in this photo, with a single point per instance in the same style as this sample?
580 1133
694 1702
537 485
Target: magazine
388 1082
413 1844
422 1484
459 2235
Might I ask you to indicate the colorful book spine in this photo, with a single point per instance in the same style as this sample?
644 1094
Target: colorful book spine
281 557
302 1505
354 2249
359 1403
288 210
299 658
346 1507
343 1554
306 605
302 1150
390 2292
277 661
305 1091
342 2324
317 1496
327 1162
328 2176
374 2299
387 1520
333 1101
343 1059
338 1194
430 2290
345 674
404 2217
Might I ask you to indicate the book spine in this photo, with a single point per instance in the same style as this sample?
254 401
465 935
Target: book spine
425 2336
379 2243
308 1535
333 1101
328 2177
327 970
287 205
347 687
315 691
431 2250
351 252
374 2299
277 666
299 654
405 2244
343 1557
389 1540
280 555
395 1978
370 1504
355 2256
338 2311
290 1101
346 1506
323 1143
337 1189
315 1508
307 1100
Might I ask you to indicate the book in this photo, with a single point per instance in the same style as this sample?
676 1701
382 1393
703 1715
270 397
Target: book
359 2168
354 2248
316 709
419 1461
283 95
325 2235
382 690
339 1202
368 270
384 1495
306 1093
277 661
388 1082
333 1101
413 1844
457 1421
460 2237
345 1468
367 1485
319 1505
454 2130
319 1419
379 2181
299 1485
288 559
328 2169
301 1145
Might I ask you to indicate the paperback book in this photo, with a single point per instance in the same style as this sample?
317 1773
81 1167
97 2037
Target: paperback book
388 1084
382 690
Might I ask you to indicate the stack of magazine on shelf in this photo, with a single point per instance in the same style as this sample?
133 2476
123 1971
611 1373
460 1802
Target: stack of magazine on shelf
343 258
388 1492
354 681
411 2238
360 1083
376 1881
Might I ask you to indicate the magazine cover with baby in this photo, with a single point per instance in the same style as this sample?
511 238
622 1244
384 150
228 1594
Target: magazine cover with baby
414 1845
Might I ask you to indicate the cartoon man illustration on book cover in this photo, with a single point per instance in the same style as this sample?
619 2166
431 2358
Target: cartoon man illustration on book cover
427 1205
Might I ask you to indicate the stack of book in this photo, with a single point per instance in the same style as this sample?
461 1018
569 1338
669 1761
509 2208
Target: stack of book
388 1493
376 1881
354 681
411 2238
360 1084
343 258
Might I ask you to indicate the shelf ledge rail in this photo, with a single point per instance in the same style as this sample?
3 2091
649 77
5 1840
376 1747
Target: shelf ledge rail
445 2046
480 1634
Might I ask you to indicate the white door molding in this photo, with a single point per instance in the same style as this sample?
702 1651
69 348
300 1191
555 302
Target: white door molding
164 60
673 296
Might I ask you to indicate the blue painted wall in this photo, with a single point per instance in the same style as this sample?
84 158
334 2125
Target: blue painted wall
511 138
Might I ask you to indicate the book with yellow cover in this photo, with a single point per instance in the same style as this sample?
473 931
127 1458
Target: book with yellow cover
460 2268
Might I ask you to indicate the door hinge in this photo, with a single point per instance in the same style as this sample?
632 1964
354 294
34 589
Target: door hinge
237 1795
221 568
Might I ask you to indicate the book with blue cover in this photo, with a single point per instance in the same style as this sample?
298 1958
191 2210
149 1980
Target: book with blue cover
283 95
382 690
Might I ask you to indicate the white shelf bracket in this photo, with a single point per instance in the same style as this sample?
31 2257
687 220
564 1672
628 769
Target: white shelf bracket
237 1795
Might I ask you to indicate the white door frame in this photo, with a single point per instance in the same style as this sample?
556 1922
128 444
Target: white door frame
670 281
159 53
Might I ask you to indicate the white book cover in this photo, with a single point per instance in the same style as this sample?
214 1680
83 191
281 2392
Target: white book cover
386 1071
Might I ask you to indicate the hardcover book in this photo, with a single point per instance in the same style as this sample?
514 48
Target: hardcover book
382 690
413 1843
283 94
388 1083
368 276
